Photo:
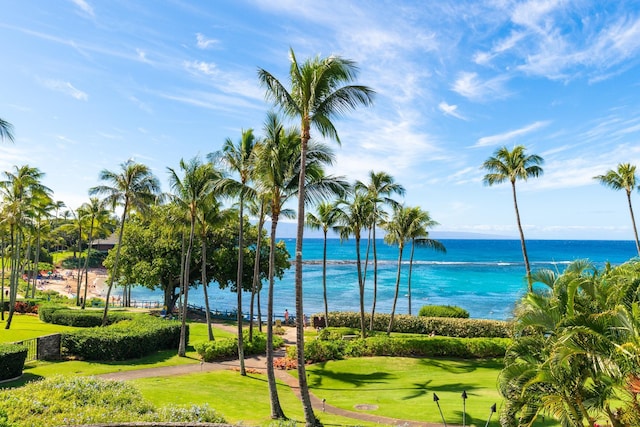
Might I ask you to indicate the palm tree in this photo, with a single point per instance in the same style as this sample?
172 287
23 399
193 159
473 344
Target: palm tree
190 193
326 217
381 185
353 216
6 130
623 178
514 165
319 90
239 159
420 236
134 188
96 214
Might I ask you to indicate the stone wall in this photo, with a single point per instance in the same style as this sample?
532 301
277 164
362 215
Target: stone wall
49 347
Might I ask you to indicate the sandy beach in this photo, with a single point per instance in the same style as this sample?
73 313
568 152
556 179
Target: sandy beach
65 282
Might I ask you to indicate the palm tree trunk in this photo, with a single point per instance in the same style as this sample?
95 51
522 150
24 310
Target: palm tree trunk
114 271
256 269
309 416
2 254
243 371
276 408
205 285
324 280
36 262
79 272
395 297
182 349
375 275
522 242
633 221
13 281
86 266
360 286
413 248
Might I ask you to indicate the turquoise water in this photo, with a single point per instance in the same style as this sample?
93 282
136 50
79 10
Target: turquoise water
485 277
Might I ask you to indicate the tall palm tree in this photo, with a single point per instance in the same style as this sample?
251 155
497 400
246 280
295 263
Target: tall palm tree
6 130
325 218
133 188
420 237
190 192
96 214
380 187
353 216
511 166
238 158
319 90
623 178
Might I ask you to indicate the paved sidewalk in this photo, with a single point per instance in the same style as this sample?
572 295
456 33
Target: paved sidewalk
258 363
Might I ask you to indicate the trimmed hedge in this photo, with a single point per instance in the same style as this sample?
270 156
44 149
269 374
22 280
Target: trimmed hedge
466 348
12 357
443 311
227 348
128 339
443 326
62 315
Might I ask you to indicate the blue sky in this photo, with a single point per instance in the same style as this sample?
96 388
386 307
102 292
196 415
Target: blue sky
89 84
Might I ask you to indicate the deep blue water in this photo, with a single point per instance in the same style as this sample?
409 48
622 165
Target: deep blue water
485 277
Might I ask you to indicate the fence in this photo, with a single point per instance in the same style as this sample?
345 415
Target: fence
42 348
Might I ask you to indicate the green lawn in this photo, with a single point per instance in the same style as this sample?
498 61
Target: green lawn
25 326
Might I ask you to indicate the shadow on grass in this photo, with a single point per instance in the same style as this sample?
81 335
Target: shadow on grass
462 366
25 378
316 376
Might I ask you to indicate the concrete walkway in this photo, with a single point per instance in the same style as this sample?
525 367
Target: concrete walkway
258 364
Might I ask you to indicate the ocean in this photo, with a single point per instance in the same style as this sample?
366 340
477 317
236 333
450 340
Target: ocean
485 277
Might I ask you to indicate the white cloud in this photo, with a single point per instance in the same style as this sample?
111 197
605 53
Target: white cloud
226 82
84 6
205 43
507 136
470 86
450 110
66 88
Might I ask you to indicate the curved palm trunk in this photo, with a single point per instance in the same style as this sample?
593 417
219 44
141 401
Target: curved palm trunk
256 270
324 279
633 221
243 371
360 286
524 247
37 263
114 271
413 249
13 280
86 266
375 276
309 416
182 347
395 297
276 408
205 285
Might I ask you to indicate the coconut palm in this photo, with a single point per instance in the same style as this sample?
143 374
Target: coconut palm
623 178
133 188
190 192
6 130
319 90
511 166
381 185
420 237
238 158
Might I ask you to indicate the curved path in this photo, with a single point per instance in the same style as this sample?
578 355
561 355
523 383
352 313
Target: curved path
258 363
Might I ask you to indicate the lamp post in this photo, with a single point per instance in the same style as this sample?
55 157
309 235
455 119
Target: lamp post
493 409
435 399
464 408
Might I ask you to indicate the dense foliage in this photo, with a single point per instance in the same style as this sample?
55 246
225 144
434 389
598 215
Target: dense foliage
227 348
576 352
12 357
443 311
127 339
58 401
450 327
62 315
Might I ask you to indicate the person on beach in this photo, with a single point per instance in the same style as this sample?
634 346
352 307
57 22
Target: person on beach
286 316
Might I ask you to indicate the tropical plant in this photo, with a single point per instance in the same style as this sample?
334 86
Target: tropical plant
319 90
133 188
623 178
511 166
6 130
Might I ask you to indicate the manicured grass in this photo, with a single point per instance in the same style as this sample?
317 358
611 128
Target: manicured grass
25 326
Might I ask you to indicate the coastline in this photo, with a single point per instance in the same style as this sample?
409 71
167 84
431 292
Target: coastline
65 282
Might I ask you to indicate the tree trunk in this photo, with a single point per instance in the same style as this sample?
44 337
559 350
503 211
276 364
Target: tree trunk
13 280
86 266
324 279
395 297
79 272
243 370
2 254
182 349
524 247
360 285
114 271
205 285
375 274
633 222
413 248
256 269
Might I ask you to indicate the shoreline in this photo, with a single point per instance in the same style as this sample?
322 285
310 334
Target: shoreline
65 282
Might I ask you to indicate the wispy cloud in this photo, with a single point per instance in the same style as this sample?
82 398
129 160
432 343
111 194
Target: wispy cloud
66 88
450 110
204 42
471 86
84 6
224 81
507 136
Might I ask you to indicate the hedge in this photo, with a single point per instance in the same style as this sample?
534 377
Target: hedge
443 311
227 348
128 339
442 326
12 357
62 315
466 348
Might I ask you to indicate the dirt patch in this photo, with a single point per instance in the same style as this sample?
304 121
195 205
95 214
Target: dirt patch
366 407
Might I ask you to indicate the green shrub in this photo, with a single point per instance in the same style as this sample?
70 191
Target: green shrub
128 339
443 311
62 315
12 357
59 400
227 348
443 326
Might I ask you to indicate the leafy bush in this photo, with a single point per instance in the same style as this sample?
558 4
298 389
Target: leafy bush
443 311
227 348
62 400
443 326
61 315
12 357
24 307
128 339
